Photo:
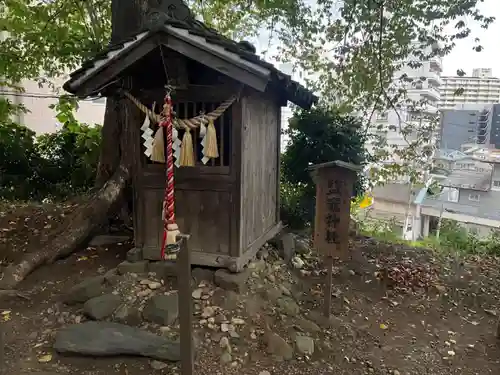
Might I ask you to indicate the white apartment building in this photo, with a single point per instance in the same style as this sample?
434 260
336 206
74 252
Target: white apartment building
37 99
422 84
481 88
40 117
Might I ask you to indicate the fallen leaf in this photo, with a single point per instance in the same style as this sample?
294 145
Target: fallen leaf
45 358
383 326
490 312
6 315
82 258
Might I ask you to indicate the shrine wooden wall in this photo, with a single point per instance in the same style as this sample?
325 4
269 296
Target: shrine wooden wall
260 150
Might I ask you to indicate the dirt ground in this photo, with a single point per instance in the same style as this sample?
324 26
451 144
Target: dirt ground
396 310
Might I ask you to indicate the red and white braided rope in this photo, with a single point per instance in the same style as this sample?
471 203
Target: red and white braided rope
168 200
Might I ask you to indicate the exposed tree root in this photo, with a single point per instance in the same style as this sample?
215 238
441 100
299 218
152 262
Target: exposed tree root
78 229
10 293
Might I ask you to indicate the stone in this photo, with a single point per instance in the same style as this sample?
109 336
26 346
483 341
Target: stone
207 312
151 253
107 239
158 365
226 357
112 277
86 290
202 274
127 315
278 347
289 306
154 285
163 269
304 344
273 294
285 290
99 339
287 246
163 310
133 267
307 326
101 307
263 254
232 281
302 246
229 300
224 344
258 265
134 255
196 294
297 263
265 372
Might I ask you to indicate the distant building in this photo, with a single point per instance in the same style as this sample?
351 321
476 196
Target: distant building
458 126
489 126
482 88
479 125
482 72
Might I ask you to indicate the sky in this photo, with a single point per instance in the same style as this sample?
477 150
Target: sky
463 57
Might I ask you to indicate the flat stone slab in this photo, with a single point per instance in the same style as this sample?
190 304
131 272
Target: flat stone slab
101 307
163 310
86 290
102 339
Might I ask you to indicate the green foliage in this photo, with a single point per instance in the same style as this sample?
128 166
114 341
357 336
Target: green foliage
454 239
316 136
348 51
53 165
18 155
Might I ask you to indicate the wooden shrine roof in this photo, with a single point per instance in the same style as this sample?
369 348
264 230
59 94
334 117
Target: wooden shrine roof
198 34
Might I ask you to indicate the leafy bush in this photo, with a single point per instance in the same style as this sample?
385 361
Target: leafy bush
69 159
454 238
316 136
56 165
19 155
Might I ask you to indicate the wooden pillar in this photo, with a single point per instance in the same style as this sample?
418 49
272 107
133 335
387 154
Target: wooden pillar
185 305
334 189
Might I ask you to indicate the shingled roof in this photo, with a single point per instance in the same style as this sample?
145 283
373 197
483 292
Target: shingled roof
195 32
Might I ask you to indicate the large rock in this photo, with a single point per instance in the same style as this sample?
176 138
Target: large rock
134 255
278 347
87 289
163 269
101 307
127 315
232 281
163 310
288 306
304 344
307 326
133 267
111 339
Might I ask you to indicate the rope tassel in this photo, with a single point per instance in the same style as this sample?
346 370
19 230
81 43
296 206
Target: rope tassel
211 150
158 149
187 150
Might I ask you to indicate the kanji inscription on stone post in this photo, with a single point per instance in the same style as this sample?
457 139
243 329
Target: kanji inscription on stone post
334 189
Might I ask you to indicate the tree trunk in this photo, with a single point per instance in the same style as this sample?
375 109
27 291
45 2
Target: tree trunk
117 162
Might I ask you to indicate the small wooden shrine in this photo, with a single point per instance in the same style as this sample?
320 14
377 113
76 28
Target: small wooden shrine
226 107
